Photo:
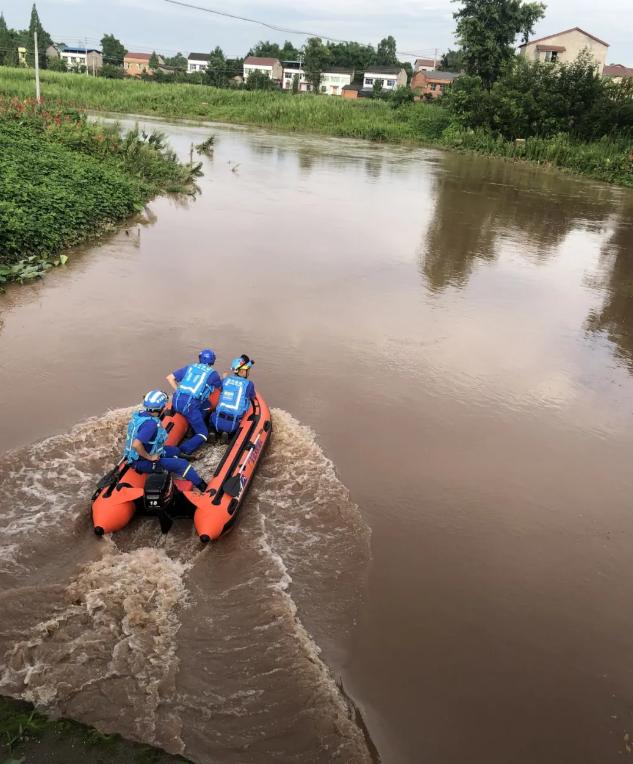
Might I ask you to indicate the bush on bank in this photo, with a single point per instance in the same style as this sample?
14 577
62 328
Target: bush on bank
63 178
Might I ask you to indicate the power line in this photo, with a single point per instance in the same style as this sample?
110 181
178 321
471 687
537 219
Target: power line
272 27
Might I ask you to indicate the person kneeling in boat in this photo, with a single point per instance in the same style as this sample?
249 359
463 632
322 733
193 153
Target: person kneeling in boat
237 393
193 385
145 447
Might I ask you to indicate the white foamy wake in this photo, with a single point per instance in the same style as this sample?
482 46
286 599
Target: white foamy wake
119 648
113 637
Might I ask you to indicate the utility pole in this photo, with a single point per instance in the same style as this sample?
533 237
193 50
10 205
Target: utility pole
37 68
435 59
87 67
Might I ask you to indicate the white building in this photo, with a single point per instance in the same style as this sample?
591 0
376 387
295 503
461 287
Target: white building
197 62
332 81
269 66
392 77
565 47
335 78
424 64
82 58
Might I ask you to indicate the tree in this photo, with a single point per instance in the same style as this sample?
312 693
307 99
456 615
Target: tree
153 63
265 49
452 61
57 64
352 55
8 45
113 50
487 31
295 84
259 81
386 52
376 90
112 72
216 69
288 52
177 62
316 58
43 40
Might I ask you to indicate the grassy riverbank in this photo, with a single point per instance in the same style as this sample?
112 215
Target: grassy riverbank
63 179
29 737
609 159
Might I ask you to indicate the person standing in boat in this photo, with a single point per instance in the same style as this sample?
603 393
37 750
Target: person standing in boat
145 448
237 393
193 385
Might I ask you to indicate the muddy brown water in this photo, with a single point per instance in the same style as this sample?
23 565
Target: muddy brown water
435 563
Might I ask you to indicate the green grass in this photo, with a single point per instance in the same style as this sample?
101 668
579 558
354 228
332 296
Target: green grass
62 179
363 118
28 736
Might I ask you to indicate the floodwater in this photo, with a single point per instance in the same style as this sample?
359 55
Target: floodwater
436 561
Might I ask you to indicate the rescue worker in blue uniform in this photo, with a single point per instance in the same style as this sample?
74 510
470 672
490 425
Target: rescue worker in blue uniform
237 393
145 448
193 385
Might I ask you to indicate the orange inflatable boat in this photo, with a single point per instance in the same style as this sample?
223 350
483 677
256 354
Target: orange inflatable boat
123 492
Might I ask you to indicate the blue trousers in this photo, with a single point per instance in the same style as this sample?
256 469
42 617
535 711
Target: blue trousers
171 463
194 412
222 424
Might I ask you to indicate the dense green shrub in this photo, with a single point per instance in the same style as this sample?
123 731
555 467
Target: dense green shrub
62 178
544 99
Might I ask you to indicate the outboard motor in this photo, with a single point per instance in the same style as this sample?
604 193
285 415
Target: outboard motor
159 495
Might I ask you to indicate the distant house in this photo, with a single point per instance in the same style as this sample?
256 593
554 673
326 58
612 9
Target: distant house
52 52
335 78
565 47
392 77
269 66
136 64
197 62
424 64
290 70
352 90
21 56
432 84
82 58
617 72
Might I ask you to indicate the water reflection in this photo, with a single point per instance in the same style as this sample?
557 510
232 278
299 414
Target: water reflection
478 203
615 318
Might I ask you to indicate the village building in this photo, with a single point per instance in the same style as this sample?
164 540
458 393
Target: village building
565 47
78 59
197 62
136 64
617 72
432 84
424 64
270 66
392 77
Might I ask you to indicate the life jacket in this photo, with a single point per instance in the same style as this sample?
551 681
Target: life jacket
157 445
234 400
196 381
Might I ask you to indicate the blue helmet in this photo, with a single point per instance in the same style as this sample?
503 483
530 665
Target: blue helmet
155 400
206 356
243 363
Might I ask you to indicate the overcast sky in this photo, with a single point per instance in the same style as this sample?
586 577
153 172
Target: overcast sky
419 26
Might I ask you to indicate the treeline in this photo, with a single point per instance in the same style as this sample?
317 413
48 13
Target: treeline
11 40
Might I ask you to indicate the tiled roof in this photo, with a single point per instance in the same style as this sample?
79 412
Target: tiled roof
617 70
199 57
138 56
260 61
383 70
558 34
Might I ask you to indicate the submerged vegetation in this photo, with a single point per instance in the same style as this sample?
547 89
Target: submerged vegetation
63 178
452 124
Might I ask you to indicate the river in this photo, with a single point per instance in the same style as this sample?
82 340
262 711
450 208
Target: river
434 564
